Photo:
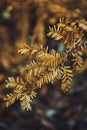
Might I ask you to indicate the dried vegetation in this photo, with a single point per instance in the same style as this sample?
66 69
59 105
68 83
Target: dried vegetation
41 64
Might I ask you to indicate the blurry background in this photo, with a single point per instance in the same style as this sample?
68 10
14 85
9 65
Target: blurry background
28 21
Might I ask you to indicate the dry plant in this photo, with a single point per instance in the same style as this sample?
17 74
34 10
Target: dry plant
35 16
39 12
48 66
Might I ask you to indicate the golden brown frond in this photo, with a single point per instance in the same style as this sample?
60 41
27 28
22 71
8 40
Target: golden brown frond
30 50
65 30
11 98
20 89
23 48
12 82
26 100
35 68
81 69
48 66
56 33
66 79
82 24
77 59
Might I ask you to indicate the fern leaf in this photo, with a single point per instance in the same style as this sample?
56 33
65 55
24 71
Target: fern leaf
26 100
14 82
23 48
66 78
55 32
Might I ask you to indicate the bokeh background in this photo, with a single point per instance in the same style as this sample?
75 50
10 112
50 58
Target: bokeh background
28 21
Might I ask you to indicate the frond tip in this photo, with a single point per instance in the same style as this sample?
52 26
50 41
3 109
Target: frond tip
66 78
14 82
26 101
55 32
20 92
23 48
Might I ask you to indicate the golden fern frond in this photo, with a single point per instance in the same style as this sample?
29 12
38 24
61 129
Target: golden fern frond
59 33
11 98
49 77
47 66
67 25
77 59
18 86
48 59
14 82
70 26
82 24
43 59
32 49
81 69
19 93
26 100
46 78
56 33
66 78
29 79
35 68
84 47
65 30
23 48
44 56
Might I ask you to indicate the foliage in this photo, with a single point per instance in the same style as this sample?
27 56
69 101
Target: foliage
48 66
